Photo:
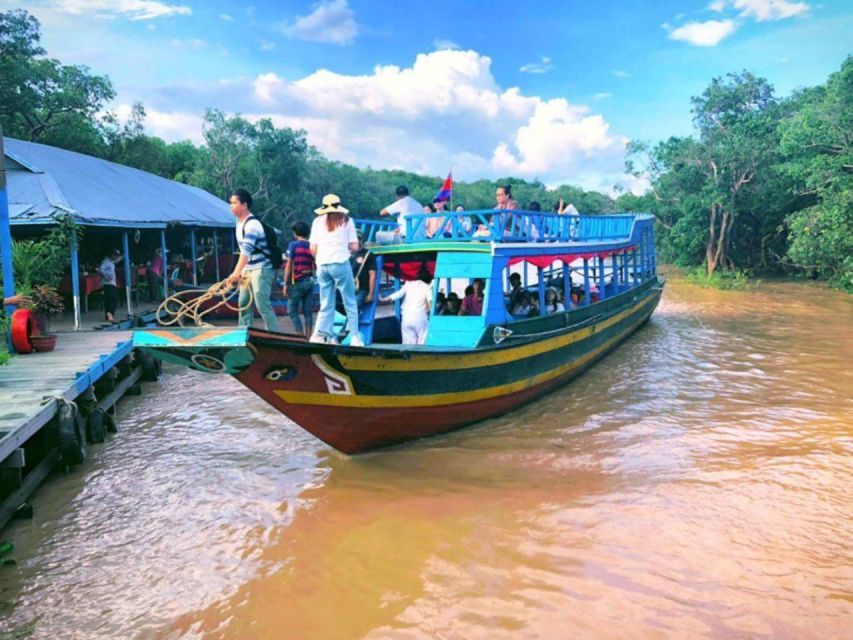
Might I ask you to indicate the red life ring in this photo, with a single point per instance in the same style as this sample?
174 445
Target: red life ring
23 326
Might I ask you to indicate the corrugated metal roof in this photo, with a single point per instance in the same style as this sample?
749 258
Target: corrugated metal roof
44 181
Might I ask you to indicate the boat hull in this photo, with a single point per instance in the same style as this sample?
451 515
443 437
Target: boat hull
357 399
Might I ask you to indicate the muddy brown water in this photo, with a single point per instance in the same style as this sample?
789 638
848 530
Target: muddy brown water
696 483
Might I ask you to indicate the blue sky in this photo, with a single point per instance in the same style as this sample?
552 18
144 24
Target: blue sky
547 90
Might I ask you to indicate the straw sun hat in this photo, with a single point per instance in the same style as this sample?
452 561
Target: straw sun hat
331 204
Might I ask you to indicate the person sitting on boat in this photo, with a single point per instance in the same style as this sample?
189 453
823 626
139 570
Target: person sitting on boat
299 279
432 224
440 303
533 301
451 307
472 304
516 293
403 207
521 306
254 270
504 200
552 301
332 240
417 301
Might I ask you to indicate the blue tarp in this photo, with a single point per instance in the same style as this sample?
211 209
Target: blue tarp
45 181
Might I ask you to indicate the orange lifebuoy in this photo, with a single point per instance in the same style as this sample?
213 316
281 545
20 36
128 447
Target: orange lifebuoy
23 326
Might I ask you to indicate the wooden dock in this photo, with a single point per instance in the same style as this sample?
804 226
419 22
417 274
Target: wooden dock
91 367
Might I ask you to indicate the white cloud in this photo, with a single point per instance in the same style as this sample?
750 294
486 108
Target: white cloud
332 21
602 96
620 74
187 44
444 43
762 10
386 119
704 34
543 66
133 9
226 17
266 45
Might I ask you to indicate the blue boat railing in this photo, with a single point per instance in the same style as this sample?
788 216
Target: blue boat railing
502 225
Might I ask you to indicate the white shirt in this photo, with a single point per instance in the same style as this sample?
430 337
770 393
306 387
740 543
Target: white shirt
332 246
418 297
405 207
107 271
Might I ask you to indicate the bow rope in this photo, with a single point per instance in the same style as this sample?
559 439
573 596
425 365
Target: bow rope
185 306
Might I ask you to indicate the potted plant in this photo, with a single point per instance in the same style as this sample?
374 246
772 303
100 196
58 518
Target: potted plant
46 304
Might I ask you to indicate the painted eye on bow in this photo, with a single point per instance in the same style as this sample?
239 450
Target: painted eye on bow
278 374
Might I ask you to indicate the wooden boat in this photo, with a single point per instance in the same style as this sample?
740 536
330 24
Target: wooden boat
471 367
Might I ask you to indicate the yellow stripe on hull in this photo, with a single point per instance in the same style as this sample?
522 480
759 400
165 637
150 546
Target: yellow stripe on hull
462 360
456 397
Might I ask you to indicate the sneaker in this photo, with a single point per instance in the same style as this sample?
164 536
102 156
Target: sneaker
356 341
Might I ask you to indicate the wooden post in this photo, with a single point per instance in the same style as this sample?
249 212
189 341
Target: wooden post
193 257
6 238
165 264
216 253
75 281
127 283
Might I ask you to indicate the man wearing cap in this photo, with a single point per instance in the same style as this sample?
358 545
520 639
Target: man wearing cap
403 207
254 270
332 240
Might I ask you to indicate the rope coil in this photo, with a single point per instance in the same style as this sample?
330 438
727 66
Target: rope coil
185 307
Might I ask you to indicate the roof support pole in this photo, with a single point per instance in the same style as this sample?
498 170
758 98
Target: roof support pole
616 286
567 286
75 281
6 237
541 285
601 294
216 253
127 280
586 293
193 256
634 266
165 264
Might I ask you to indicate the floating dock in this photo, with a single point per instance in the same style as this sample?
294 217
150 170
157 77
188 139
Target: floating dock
54 405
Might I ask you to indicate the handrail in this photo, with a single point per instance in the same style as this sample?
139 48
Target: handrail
504 225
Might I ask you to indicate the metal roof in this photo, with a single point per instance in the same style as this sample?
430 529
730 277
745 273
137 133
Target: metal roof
45 181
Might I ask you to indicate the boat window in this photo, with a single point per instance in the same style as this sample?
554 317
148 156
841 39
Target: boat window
456 296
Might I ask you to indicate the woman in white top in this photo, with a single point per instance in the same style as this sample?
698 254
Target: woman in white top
417 301
332 240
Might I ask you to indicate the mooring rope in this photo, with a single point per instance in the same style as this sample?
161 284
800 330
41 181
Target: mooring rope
177 309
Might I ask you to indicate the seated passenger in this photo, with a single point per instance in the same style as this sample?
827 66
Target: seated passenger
534 305
516 292
552 301
472 305
417 301
440 303
521 307
451 307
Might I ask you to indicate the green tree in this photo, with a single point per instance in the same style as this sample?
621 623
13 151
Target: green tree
817 140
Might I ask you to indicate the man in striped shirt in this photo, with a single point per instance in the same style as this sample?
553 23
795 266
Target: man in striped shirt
254 269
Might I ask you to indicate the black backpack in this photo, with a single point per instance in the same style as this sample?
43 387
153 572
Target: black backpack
273 252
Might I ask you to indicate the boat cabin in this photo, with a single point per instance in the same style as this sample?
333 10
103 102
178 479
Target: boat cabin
588 261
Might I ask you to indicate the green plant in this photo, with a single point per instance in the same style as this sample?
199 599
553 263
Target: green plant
47 301
728 279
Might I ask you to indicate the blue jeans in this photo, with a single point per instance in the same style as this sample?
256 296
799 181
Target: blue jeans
260 282
332 277
301 293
